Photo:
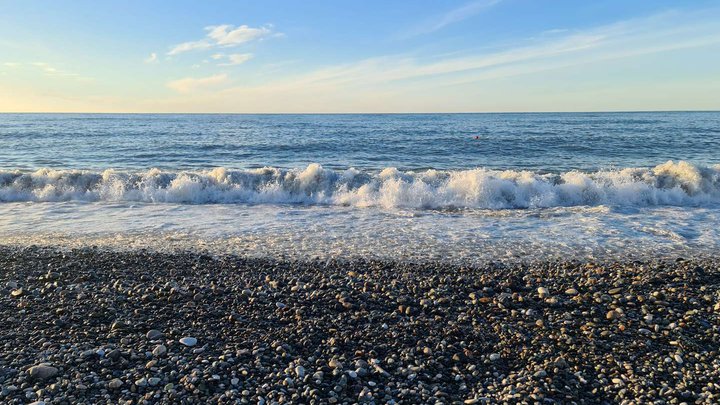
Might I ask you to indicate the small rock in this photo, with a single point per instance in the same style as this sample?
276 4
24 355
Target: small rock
494 356
571 291
188 341
153 334
159 350
115 384
300 371
42 371
117 325
543 292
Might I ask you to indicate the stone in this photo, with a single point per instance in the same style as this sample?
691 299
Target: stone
42 371
188 341
543 292
117 325
153 334
571 291
115 384
494 356
159 350
300 371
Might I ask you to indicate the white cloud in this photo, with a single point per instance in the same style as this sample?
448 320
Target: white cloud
397 79
191 84
224 35
217 56
49 70
237 59
11 64
189 46
451 17
153 58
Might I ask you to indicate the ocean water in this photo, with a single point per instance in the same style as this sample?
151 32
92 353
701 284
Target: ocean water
458 187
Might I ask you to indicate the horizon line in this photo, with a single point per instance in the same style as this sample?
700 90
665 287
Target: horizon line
362 113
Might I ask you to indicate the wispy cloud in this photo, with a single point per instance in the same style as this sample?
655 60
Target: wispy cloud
191 84
393 78
451 17
153 58
224 35
653 34
52 71
237 59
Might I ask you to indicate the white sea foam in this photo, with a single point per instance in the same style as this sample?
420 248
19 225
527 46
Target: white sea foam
671 183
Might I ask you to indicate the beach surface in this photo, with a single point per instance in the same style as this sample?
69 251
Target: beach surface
99 326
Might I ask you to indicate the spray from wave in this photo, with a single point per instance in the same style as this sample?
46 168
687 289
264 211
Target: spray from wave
671 183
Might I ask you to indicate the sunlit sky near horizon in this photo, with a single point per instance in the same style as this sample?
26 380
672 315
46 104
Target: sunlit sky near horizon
360 56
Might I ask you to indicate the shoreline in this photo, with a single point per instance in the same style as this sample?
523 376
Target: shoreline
100 326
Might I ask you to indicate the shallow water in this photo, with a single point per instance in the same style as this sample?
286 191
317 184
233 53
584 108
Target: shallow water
416 187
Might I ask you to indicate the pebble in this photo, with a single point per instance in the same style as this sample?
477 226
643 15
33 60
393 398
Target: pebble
188 341
153 334
159 350
444 346
42 371
115 383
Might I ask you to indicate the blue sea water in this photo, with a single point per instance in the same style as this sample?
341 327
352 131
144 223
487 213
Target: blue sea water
548 142
462 187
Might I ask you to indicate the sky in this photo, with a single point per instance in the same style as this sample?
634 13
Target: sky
358 56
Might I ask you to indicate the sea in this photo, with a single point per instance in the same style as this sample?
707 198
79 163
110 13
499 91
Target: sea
461 188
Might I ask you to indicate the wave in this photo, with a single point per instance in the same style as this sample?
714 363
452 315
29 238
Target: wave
672 183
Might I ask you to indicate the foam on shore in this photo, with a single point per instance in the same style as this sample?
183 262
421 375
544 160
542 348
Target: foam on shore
671 183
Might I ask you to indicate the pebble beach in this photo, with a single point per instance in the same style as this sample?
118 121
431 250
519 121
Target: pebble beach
92 326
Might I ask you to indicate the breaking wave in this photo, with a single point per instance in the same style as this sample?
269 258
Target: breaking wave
671 183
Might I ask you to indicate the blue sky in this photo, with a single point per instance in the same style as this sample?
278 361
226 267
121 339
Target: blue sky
358 56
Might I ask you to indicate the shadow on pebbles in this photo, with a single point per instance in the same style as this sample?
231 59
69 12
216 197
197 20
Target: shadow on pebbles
92 326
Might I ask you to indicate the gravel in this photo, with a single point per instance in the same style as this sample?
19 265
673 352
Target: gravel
94 326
